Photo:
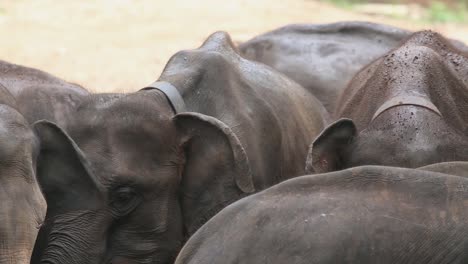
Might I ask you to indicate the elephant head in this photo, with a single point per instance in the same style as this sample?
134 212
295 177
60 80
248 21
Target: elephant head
418 137
130 180
408 109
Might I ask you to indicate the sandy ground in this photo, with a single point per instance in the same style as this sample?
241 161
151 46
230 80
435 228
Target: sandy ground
122 45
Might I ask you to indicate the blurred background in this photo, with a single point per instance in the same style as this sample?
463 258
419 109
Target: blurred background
123 45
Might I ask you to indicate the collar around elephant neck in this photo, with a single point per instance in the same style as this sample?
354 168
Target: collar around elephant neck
172 94
406 100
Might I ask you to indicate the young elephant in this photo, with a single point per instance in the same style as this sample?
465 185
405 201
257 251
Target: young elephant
369 214
406 109
134 175
22 206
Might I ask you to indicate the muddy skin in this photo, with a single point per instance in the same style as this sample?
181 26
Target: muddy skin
407 109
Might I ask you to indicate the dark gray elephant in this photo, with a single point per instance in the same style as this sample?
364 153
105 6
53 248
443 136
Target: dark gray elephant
134 175
22 206
40 95
324 57
406 109
369 214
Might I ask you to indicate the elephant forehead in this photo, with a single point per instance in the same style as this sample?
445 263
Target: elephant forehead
141 105
126 119
155 179
133 154
121 118
126 136
122 170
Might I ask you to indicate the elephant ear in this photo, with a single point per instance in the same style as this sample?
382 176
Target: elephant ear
62 171
66 182
216 171
326 152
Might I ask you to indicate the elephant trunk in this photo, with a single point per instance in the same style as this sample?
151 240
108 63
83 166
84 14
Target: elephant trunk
17 240
15 256
76 238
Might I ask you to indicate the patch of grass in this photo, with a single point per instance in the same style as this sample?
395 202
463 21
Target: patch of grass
345 4
439 12
436 11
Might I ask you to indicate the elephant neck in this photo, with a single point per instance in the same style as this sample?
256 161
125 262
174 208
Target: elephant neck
172 94
205 90
404 100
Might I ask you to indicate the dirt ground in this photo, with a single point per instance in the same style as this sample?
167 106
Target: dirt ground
122 45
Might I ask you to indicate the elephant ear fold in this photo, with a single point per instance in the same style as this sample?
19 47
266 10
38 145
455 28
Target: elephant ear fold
326 152
216 171
62 171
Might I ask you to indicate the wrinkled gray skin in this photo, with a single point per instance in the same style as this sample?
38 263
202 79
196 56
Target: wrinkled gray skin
369 214
40 95
22 206
145 179
324 58
405 134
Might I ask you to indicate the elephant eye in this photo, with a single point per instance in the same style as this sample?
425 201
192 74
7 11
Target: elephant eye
124 200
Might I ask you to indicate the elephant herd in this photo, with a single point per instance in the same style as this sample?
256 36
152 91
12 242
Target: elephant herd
203 165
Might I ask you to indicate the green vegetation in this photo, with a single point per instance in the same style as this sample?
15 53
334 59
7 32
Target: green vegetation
442 13
435 11
346 4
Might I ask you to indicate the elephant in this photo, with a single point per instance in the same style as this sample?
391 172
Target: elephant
367 214
22 207
406 109
458 168
324 57
134 175
40 95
